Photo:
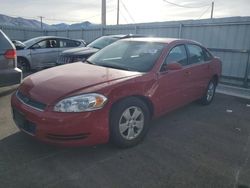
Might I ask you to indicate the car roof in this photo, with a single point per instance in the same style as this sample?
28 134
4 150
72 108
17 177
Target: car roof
49 37
123 36
160 40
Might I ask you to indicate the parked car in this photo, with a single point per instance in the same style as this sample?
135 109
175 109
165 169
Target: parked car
116 92
9 73
41 52
81 54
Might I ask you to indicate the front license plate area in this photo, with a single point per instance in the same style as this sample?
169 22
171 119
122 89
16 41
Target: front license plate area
22 123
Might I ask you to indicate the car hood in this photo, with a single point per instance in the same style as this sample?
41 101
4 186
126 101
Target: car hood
50 85
80 51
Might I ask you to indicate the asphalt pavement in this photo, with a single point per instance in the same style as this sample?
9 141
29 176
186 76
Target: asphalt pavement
194 146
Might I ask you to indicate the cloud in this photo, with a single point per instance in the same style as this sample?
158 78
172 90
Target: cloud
57 11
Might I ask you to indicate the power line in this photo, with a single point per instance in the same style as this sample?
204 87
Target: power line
204 12
65 20
184 6
128 12
124 18
61 20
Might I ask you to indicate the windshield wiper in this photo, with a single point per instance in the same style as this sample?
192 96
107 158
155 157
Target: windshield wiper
116 67
95 47
89 62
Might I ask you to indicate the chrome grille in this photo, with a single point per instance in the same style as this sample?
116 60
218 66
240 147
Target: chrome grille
69 59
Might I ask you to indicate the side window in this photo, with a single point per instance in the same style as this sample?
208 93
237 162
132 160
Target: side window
177 54
196 54
64 43
207 55
51 43
77 43
41 44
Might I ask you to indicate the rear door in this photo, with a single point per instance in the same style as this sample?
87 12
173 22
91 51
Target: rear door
200 74
45 53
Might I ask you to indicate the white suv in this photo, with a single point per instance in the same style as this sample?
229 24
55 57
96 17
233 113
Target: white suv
9 73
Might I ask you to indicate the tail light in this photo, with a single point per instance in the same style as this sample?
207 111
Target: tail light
10 54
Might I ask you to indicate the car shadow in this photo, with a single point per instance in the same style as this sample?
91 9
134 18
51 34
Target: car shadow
20 151
20 143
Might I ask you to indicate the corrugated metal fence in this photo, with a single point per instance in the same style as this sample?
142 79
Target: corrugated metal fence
227 38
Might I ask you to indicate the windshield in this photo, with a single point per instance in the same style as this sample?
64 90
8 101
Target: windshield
31 41
128 55
102 42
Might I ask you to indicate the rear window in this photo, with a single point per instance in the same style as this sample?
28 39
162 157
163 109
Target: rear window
196 54
5 43
64 43
207 55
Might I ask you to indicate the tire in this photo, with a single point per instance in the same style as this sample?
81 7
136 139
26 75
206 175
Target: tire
23 64
209 94
129 122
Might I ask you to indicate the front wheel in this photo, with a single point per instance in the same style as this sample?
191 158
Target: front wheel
209 94
129 122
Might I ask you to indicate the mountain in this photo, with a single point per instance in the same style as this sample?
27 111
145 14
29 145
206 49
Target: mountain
81 25
34 24
21 22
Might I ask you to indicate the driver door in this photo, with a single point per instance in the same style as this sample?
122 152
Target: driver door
44 53
173 84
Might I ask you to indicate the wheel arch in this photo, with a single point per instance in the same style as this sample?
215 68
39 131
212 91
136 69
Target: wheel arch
144 99
216 79
25 58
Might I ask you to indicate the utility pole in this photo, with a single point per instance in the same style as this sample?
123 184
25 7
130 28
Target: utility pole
212 10
103 12
41 20
118 11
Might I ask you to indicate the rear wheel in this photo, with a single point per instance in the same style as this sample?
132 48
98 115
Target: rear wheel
129 122
23 64
209 94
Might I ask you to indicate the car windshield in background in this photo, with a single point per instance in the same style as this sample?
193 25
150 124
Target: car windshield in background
102 42
128 55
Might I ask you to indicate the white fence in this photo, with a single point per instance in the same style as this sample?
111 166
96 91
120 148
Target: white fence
228 38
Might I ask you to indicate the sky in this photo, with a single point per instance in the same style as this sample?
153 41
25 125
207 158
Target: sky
131 11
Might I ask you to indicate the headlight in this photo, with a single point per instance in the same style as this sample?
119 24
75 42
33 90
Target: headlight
81 103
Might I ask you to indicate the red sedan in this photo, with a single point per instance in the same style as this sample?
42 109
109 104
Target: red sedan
115 93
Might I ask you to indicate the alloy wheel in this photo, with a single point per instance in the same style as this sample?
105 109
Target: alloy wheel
131 123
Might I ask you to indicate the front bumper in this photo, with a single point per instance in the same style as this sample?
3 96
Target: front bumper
10 77
65 129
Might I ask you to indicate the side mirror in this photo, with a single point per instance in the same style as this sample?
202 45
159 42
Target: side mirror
174 66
